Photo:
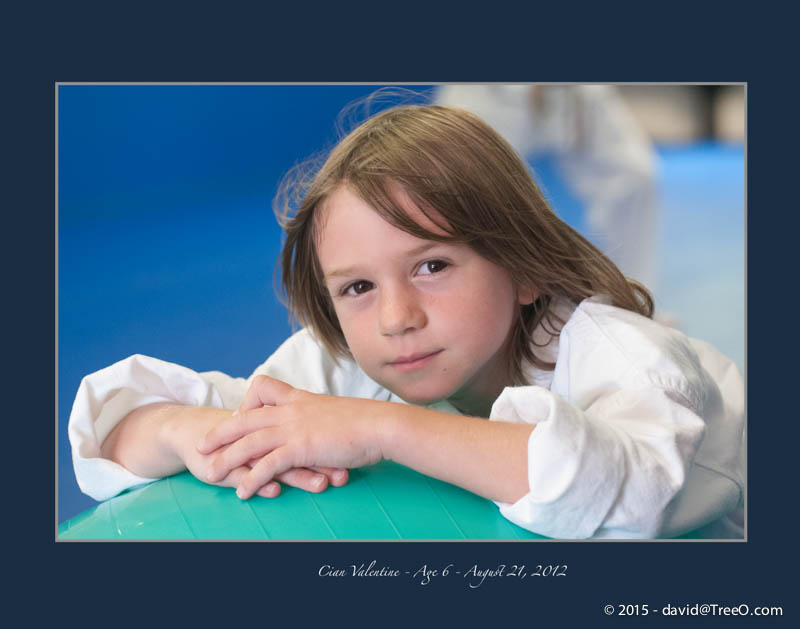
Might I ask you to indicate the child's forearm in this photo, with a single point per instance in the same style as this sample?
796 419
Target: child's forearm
151 440
486 458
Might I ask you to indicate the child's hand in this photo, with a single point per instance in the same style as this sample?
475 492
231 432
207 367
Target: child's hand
289 428
186 425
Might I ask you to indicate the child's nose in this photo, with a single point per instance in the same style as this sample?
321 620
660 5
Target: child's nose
400 311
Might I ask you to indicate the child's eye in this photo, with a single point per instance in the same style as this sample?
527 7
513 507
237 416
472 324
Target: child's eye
432 266
357 288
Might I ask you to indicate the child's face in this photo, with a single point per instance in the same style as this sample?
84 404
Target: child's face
427 320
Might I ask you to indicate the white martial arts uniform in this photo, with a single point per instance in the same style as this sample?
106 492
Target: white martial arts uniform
599 149
639 429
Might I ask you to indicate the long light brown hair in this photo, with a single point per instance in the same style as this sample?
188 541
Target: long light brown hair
469 181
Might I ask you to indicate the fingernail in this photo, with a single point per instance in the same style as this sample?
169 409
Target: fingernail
338 476
236 412
318 480
240 493
210 475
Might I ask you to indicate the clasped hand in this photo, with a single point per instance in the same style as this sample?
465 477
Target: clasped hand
279 428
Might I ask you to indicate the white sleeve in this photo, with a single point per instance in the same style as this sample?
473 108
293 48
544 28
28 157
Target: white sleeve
105 397
608 471
108 395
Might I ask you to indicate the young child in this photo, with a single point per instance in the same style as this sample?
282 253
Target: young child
453 324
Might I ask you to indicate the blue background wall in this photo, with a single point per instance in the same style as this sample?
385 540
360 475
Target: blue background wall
167 241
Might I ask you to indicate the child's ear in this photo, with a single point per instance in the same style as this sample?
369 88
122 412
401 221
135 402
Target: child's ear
526 296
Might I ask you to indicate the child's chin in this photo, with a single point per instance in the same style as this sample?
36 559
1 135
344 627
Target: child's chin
419 398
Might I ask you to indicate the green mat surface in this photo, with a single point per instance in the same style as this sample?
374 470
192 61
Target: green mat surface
385 501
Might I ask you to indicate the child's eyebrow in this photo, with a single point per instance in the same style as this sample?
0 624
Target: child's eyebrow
354 269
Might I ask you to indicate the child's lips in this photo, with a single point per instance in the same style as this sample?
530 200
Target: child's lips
414 361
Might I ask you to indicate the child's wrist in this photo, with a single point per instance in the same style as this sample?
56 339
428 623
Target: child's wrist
183 427
388 429
172 434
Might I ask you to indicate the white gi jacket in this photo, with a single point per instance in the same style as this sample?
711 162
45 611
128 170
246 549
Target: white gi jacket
639 429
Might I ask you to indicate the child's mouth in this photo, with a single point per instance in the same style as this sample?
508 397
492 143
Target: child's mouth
414 361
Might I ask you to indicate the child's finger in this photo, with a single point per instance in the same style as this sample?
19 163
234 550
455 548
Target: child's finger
234 428
270 490
233 477
265 391
304 478
337 476
239 453
275 463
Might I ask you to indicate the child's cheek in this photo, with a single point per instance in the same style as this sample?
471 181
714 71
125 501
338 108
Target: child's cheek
355 327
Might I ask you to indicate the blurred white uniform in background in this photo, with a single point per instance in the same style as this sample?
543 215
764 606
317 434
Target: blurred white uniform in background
599 149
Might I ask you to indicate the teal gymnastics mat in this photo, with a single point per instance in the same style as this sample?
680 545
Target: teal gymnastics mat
382 502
